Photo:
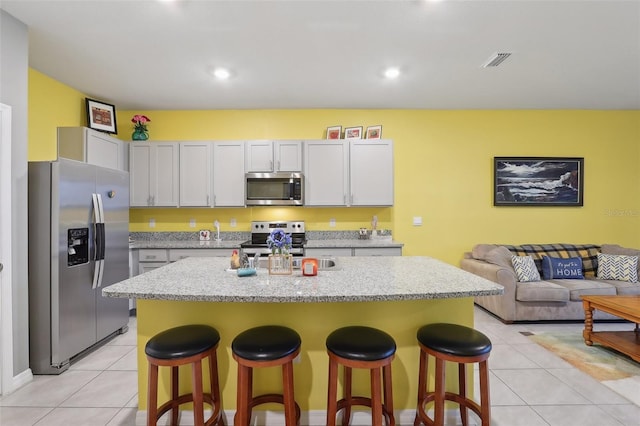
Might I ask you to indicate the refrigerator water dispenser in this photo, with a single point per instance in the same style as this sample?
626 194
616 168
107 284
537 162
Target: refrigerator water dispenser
77 246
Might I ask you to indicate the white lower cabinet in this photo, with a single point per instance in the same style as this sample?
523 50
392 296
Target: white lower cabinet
377 251
178 254
328 252
150 259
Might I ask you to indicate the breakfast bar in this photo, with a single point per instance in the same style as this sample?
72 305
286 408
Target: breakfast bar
394 294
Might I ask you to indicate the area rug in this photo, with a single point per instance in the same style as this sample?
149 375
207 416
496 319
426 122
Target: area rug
613 369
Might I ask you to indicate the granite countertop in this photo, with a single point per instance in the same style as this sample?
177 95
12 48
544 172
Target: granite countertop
342 243
356 279
231 244
185 244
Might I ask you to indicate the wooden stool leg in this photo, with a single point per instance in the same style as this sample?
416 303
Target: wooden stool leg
388 393
198 405
376 397
462 391
215 386
175 408
422 385
438 416
244 394
485 405
288 395
332 397
346 413
152 396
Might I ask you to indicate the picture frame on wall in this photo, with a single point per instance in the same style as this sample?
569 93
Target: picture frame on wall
334 132
374 132
538 181
353 132
101 116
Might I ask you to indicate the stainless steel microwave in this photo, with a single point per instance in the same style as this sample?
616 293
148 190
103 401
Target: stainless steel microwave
274 189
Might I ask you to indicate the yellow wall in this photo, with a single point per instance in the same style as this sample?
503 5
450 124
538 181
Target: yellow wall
443 169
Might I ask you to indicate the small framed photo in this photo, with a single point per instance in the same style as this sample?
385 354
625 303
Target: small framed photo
374 132
353 132
334 132
101 116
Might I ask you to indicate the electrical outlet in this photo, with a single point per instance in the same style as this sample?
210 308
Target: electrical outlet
332 222
233 222
417 221
192 223
152 223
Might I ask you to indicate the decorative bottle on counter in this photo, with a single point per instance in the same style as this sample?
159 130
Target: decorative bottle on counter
280 264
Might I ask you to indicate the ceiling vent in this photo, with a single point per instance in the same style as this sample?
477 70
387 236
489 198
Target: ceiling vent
496 59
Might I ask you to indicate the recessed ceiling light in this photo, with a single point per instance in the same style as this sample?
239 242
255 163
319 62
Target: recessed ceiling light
221 73
392 73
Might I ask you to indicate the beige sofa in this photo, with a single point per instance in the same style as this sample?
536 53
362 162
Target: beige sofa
544 300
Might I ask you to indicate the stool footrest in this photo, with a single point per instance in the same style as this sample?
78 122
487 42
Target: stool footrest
207 398
363 401
272 398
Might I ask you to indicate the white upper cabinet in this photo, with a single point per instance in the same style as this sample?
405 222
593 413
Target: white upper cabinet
273 156
326 172
228 174
195 174
153 174
371 172
93 147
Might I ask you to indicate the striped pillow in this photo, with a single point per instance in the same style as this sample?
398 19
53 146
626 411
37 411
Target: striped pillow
525 267
618 267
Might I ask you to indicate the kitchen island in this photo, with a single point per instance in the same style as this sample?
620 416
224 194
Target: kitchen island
395 294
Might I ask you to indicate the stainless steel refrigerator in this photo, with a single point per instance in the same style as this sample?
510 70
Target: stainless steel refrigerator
78 243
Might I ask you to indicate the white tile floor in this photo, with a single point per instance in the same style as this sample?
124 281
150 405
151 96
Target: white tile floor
529 386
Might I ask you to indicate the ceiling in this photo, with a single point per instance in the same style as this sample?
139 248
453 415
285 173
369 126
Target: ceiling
150 55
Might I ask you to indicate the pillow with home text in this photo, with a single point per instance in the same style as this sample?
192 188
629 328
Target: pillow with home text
559 268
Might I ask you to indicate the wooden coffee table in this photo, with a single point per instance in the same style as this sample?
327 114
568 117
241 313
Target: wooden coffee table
627 307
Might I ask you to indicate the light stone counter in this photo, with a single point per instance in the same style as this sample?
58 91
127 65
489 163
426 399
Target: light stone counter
185 244
356 279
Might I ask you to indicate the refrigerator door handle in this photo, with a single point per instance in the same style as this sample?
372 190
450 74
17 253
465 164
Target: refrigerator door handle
101 244
98 232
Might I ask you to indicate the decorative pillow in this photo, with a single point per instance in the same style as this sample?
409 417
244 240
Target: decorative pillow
618 267
556 267
525 267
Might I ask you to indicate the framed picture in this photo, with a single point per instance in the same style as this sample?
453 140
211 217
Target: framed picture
101 116
353 132
374 132
334 132
538 181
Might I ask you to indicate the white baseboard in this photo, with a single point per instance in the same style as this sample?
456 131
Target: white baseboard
307 418
18 381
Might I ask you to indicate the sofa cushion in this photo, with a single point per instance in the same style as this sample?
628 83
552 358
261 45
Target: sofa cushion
579 288
618 267
500 256
556 267
588 253
624 288
525 268
541 291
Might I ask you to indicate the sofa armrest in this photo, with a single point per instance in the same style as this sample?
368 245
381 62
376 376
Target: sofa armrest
503 305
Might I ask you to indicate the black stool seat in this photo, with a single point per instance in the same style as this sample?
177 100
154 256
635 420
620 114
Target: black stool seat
454 339
182 342
361 343
266 343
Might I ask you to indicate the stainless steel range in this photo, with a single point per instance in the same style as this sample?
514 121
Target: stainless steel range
261 230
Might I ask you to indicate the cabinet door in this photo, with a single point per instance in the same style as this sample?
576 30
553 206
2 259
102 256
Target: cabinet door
228 174
103 150
259 156
288 156
328 252
371 173
164 176
377 251
326 173
139 175
195 174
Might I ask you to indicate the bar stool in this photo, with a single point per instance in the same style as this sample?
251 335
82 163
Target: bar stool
455 343
184 345
361 347
265 346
